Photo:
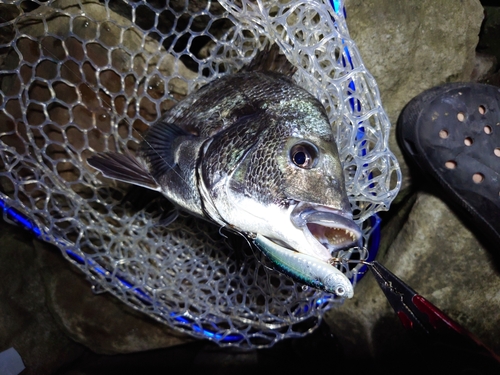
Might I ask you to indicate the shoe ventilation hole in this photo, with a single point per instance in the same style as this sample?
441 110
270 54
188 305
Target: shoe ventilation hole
443 134
450 164
477 178
497 152
482 109
468 141
461 116
487 129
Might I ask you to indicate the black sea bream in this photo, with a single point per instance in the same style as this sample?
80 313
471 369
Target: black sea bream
255 153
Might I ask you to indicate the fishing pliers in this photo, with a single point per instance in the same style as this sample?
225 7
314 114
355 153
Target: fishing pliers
455 348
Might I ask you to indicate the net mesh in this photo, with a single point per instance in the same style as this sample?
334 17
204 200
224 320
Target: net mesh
82 76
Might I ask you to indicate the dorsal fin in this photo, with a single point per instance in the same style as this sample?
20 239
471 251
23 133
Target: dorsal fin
160 146
124 168
270 60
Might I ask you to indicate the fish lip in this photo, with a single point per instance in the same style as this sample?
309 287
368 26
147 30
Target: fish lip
332 228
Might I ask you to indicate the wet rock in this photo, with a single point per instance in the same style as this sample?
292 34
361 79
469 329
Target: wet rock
394 220
315 353
26 323
484 66
100 322
410 46
438 256
46 306
105 96
493 79
489 44
489 41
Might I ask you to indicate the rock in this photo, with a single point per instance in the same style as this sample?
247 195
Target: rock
78 74
26 323
493 79
444 262
100 322
410 46
484 66
394 220
45 304
313 353
489 41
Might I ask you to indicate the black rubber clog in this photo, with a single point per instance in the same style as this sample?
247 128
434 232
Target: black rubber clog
452 132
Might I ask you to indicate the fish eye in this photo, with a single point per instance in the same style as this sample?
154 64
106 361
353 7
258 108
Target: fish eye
304 155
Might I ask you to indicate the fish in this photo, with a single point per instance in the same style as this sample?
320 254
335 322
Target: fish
254 153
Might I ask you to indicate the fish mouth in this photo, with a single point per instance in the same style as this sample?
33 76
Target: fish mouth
335 230
333 238
321 232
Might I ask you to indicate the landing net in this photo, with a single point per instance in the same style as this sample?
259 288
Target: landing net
82 76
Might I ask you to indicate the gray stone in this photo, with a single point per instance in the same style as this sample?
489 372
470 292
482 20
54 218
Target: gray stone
26 323
47 307
393 221
490 42
99 321
484 66
411 46
444 262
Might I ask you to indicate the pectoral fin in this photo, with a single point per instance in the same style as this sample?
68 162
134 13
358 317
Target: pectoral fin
161 147
125 168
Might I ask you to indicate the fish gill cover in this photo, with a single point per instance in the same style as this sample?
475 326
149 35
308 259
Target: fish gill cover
80 77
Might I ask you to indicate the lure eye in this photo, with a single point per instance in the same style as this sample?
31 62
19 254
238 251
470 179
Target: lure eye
340 291
304 155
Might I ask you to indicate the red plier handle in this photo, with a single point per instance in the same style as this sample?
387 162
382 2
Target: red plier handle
433 327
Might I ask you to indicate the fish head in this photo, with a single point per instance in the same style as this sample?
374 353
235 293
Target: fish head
312 184
286 185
